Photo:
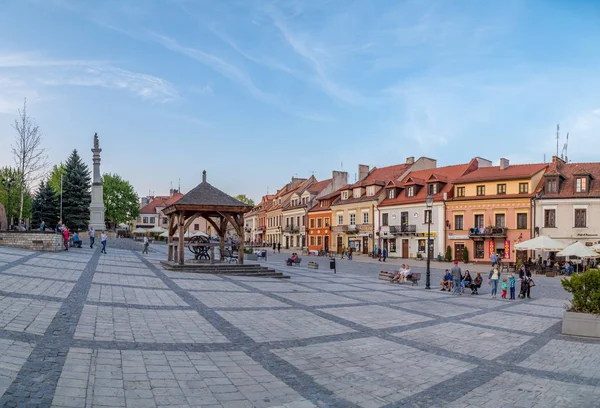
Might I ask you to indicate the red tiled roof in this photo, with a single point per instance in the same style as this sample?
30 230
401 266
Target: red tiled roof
449 173
174 199
382 175
160 201
317 187
569 171
512 172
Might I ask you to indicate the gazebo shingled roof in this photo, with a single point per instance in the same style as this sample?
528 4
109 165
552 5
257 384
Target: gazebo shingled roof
208 202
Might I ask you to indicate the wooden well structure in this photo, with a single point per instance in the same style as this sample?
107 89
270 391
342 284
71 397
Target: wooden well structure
216 207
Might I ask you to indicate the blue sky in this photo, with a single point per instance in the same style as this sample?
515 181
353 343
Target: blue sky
256 92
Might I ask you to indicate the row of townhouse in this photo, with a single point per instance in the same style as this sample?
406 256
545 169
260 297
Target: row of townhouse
477 207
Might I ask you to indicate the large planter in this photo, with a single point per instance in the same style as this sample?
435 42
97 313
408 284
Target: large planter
251 257
581 324
313 265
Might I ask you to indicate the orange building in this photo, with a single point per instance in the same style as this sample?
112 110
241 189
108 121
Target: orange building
319 223
491 211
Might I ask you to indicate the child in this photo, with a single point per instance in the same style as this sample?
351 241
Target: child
512 286
504 287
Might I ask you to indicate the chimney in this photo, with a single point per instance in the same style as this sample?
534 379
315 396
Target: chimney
504 164
557 161
410 160
204 176
340 179
171 192
363 171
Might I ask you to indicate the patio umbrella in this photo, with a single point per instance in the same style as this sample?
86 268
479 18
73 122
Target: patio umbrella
140 231
541 243
164 234
201 234
579 250
157 230
596 247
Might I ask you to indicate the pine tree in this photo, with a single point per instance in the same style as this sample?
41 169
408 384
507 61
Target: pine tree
45 207
76 193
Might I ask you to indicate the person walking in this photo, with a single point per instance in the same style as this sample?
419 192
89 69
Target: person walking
59 227
456 278
92 237
274 247
493 279
279 247
343 252
525 276
103 242
65 234
384 254
146 245
494 259
42 226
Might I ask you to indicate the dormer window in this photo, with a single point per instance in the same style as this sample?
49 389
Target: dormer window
552 186
356 193
581 184
344 195
432 189
460 191
371 190
410 191
391 193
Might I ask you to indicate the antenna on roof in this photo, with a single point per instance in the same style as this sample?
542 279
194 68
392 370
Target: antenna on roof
342 166
563 154
355 178
557 129
179 186
312 172
267 190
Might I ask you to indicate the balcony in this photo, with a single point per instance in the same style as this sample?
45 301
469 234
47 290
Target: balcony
262 228
489 232
403 229
339 228
352 229
291 229
365 227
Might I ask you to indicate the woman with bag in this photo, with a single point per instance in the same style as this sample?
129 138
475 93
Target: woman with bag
526 282
493 279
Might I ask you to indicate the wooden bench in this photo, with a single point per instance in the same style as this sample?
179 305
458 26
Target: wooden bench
296 262
386 275
415 277
229 256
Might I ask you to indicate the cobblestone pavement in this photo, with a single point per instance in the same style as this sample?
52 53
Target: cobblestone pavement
83 329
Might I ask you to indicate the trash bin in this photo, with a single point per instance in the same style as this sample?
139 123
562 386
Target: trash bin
332 264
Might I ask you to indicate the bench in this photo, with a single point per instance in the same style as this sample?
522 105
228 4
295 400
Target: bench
415 277
296 262
386 275
229 256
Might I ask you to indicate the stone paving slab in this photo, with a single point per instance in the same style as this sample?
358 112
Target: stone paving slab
375 316
134 296
549 311
105 323
377 297
518 390
438 308
274 325
280 287
124 270
333 287
370 372
42 272
7 258
134 378
189 275
209 285
129 280
459 338
319 299
580 359
57 263
27 315
529 324
13 355
35 286
551 302
236 300
478 302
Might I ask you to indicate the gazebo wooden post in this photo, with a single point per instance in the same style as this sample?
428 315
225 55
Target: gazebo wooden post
181 247
223 229
240 227
170 238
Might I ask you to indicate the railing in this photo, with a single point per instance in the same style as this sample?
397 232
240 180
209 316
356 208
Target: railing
365 227
291 229
339 228
488 232
262 228
403 229
352 228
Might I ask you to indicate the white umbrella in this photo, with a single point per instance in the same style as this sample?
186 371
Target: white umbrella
596 247
579 250
157 230
164 234
201 234
140 231
541 243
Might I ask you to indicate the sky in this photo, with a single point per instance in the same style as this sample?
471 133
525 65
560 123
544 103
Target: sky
259 91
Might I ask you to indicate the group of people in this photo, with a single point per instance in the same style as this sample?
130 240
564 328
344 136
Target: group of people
347 252
380 254
64 231
403 275
455 281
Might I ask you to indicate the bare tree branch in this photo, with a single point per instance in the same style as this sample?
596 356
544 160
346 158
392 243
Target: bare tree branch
29 154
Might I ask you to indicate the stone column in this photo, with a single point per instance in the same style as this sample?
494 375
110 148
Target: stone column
97 204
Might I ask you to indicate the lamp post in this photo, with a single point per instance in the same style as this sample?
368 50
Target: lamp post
429 204
8 184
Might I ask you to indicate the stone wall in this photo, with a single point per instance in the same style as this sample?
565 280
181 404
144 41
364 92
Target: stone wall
36 241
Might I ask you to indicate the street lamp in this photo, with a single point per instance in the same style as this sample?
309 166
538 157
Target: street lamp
8 184
429 204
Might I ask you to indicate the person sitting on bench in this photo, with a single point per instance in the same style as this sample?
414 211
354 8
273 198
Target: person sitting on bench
447 281
76 240
398 275
291 260
476 284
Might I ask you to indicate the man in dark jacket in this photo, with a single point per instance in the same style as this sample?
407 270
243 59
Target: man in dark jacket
456 278
525 275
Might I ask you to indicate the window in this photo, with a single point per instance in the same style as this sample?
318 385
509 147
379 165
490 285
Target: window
549 218
384 219
458 222
370 190
164 220
197 227
523 188
327 221
152 219
145 220
391 193
581 184
303 220
521 221
580 215
365 217
500 220
479 221
432 189
460 191
479 249
356 193
552 185
427 216
312 223
319 221
410 191
287 221
422 244
501 189
319 240
352 219
298 221
392 244
312 240
344 195
340 219
480 190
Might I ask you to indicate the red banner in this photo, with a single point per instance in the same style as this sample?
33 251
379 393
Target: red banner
491 247
506 249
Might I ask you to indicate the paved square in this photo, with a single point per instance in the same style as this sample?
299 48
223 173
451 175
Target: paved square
210 285
236 300
57 263
377 297
437 308
13 355
549 311
27 315
319 299
582 359
42 272
274 325
483 343
371 372
526 323
129 280
375 316
104 323
279 287
35 286
134 296
125 270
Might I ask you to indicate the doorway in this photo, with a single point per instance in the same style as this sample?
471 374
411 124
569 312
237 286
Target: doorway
287 242
405 248
339 244
458 251
326 242
365 245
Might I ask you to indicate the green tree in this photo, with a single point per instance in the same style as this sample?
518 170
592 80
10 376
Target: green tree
12 213
244 199
54 179
45 207
76 193
465 255
120 200
448 256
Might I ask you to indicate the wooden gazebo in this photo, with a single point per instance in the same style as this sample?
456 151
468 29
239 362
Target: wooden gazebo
216 207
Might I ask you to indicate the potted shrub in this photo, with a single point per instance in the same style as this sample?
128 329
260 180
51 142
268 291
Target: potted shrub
249 255
465 255
583 317
448 257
